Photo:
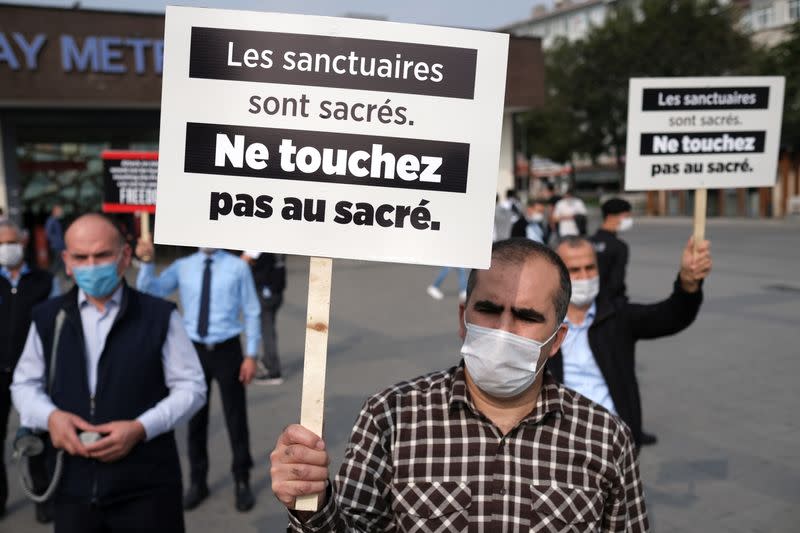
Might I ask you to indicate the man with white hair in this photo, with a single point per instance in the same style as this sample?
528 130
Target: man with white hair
21 288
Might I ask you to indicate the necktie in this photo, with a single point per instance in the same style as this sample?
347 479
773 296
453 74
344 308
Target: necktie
205 301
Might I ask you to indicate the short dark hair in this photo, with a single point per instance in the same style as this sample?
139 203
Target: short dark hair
615 206
517 251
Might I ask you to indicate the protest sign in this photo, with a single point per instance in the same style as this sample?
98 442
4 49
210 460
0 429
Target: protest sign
701 133
691 133
330 137
129 183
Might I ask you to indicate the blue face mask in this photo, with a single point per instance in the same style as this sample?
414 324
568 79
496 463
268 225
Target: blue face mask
97 280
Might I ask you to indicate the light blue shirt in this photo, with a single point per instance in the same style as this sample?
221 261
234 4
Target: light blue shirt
581 372
182 371
232 293
55 290
534 232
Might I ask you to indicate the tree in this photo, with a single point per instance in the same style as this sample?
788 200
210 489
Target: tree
587 80
784 60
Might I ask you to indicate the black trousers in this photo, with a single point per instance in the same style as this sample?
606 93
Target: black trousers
269 311
221 363
37 466
159 510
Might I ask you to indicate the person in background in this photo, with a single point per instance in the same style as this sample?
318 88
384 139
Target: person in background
595 358
612 252
215 288
504 218
21 288
434 290
569 215
269 275
533 225
512 203
55 238
109 372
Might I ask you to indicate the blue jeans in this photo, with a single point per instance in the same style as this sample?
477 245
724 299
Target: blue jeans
462 278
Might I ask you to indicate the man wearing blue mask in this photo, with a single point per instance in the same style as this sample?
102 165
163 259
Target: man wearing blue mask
492 444
109 372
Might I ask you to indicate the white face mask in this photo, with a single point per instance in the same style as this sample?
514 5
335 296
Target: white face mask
537 217
500 363
584 291
11 254
625 224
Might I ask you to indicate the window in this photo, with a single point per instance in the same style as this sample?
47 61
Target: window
794 10
763 18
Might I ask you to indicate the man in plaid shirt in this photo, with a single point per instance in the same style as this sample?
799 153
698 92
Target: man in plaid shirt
492 445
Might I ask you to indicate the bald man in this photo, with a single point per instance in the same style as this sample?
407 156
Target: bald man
109 372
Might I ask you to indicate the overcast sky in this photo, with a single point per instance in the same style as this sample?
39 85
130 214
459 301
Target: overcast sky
481 14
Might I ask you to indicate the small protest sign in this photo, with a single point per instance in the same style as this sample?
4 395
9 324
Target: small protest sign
700 133
129 181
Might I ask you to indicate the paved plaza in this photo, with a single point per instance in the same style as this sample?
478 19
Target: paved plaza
722 397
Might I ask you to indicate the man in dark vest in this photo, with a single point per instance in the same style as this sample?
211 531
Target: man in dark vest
21 287
124 374
594 359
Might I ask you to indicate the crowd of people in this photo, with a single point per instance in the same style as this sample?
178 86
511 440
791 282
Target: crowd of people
540 423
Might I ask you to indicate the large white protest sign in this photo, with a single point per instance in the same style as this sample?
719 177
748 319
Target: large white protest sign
329 137
701 133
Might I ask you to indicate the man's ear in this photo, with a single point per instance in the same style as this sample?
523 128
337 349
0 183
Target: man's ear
127 255
462 330
558 340
67 262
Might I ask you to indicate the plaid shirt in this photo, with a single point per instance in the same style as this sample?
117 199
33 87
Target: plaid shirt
423 459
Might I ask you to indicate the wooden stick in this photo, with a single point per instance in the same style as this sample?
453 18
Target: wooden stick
700 197
313 403
144 223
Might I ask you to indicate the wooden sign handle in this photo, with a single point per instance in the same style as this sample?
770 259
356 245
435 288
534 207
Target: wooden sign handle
700 198
316 353
144 223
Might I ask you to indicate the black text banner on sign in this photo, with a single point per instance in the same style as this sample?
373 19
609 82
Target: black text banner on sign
701 133
329 138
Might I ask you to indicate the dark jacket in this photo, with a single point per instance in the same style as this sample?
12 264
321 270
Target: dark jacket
269 270
130 380
612 262
612 338
15 313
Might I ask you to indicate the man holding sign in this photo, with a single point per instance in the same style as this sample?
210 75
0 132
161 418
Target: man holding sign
492 444
596 359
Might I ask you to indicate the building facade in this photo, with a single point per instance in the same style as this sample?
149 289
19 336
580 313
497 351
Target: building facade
76 82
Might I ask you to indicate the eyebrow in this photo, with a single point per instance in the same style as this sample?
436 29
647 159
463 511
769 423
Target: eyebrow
524 313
